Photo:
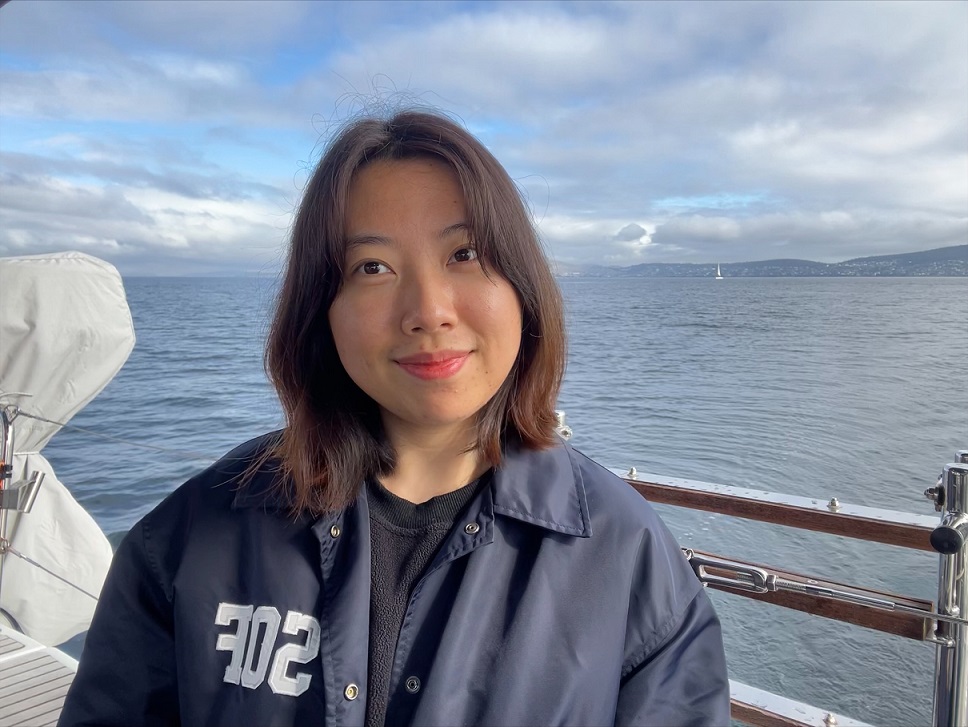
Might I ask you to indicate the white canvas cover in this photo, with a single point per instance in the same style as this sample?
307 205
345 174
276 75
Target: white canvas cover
65 331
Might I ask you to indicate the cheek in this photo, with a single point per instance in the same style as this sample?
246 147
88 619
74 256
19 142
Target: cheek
345 324
335 318
504 311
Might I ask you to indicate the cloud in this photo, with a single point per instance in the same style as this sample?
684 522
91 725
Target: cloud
72 29
824 236
138 226
576 240
637 130
630 233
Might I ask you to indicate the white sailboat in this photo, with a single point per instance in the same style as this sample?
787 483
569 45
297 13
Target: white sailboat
719 275
66 331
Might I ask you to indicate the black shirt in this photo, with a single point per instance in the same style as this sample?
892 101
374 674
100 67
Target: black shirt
404 539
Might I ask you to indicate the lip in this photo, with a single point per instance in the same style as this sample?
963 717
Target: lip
436 365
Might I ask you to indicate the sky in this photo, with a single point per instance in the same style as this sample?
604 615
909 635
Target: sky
175 138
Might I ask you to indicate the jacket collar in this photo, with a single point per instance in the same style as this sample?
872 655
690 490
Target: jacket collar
264 491
543 488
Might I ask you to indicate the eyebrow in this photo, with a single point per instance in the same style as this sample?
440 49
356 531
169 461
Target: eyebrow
456 227
364 239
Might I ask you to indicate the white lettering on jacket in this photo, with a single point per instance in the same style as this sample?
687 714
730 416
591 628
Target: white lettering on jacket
254 640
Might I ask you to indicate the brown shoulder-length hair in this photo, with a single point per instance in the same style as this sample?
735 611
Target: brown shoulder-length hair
333 438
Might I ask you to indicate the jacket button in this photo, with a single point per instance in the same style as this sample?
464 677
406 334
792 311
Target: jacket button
471 528
351 692
413 685
334 531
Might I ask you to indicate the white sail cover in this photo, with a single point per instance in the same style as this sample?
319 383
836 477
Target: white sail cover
65 331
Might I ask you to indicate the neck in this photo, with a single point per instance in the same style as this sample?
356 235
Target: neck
432 463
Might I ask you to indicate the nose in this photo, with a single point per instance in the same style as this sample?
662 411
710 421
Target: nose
427 303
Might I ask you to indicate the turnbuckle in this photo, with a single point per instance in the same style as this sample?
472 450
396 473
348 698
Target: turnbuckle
744 577
753 579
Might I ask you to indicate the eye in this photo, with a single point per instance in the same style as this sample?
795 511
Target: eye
464 255
372 267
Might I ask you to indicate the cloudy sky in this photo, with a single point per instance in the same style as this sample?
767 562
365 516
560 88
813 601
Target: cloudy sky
176 137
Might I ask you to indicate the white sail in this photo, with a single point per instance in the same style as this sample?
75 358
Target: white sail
65 331
719 275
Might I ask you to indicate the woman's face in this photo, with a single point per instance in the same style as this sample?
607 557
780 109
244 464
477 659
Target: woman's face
417 324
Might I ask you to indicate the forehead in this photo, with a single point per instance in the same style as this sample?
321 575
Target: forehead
420 180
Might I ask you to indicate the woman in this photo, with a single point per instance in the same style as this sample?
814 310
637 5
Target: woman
416 546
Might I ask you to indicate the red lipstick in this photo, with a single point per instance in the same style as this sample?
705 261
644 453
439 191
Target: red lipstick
438 365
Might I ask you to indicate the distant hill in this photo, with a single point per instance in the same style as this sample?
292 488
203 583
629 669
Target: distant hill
942 261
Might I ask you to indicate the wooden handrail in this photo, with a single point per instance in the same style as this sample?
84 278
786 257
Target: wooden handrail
850 521
758 717
753 706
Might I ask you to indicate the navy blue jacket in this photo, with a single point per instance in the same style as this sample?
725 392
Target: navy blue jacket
560 598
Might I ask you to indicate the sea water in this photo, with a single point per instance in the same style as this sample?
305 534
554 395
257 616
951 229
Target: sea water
849 388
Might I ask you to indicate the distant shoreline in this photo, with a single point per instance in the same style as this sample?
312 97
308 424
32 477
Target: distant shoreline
578 276
948 262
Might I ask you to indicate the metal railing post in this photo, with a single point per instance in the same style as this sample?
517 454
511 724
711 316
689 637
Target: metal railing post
949 539
6 476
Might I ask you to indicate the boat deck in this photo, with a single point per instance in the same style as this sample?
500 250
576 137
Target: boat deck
33 681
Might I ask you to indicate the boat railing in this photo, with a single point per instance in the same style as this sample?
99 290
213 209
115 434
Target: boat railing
942 622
